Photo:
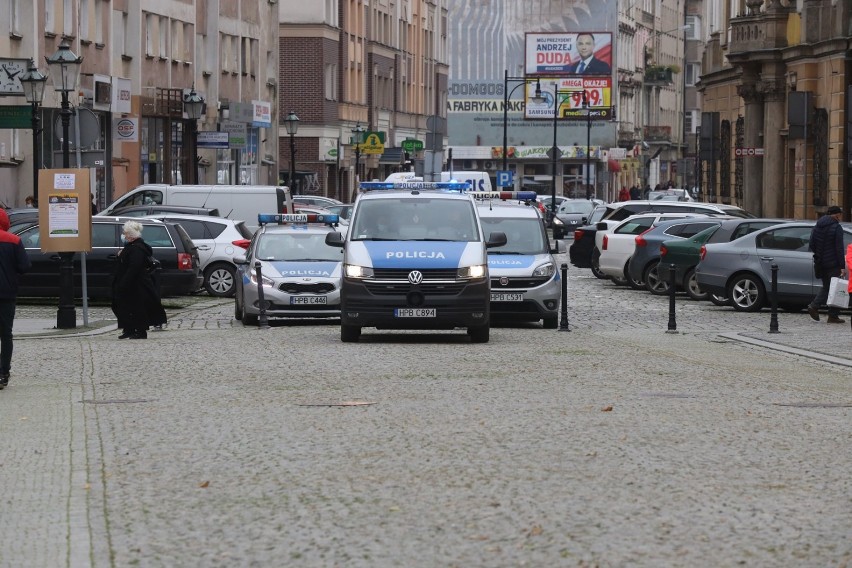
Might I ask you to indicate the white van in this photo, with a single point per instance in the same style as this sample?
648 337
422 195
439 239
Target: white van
238 202
479 181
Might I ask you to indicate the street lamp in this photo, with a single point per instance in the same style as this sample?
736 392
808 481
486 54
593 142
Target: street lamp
357 139
588 112
33 82
292 125
64 67
539 98
506 95
193 105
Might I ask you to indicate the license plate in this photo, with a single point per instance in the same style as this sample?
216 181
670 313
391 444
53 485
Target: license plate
415 313
308 300
507 297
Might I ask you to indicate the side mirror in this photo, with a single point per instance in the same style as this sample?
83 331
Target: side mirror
240 260
334 239
496 239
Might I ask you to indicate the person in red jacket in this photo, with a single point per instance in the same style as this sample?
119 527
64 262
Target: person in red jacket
13 261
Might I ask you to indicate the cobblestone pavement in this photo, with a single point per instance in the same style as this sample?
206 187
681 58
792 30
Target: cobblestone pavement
615 444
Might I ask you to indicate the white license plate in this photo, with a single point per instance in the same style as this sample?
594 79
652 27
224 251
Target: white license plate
415 313
308 300
507 297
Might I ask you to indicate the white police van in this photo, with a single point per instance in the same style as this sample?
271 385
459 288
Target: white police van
525 285
414 257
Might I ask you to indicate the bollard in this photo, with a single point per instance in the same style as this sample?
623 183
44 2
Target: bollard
563 322
773 319
262 321
672 290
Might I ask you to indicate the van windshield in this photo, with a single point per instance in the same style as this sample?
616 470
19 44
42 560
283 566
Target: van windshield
421 219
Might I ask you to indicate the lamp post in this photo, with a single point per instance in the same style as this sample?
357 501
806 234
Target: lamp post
554 154
292 125
33 82
357 139
588 112
506 95
64 67
193 105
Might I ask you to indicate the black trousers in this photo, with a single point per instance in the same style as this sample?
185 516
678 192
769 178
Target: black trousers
7 318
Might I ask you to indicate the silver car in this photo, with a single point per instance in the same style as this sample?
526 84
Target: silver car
741 270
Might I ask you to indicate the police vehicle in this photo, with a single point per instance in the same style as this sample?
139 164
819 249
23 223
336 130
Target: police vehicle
414 257
525 285
299 273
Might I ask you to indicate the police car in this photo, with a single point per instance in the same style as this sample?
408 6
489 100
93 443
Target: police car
299 273
525 284
415 257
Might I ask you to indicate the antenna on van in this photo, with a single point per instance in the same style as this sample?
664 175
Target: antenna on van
209 193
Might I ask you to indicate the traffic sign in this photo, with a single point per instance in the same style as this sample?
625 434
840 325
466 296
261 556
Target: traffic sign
412 145
504 178
554 150
748 152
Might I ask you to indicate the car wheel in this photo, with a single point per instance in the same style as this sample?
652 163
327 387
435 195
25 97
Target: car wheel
349 333
719 300
219 280
693 290
479 333
248 319
596 266
746 293
633 283
550 322
653 282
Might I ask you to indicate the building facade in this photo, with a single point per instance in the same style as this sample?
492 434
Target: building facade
141 58
347 65
776 107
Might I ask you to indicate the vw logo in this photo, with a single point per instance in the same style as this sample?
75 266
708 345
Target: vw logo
504 281
415 277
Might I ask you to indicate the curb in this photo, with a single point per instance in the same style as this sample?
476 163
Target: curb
787 349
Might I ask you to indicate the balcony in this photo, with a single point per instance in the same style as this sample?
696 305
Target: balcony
627 135
657 134
659 75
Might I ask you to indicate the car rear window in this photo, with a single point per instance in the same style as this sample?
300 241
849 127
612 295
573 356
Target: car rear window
157 236
188 245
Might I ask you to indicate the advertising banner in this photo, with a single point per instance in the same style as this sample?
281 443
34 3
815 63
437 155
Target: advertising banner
569 93
581 53
125 129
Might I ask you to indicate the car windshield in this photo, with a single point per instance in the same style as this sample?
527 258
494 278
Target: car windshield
409 219
581 206
295 246
523 236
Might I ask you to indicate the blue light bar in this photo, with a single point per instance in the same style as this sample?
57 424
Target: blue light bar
426 185
284 218
519 195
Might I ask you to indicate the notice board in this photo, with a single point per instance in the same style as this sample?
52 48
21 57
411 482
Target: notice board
64 210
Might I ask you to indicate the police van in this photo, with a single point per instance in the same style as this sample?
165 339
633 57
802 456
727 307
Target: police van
414 257
525 285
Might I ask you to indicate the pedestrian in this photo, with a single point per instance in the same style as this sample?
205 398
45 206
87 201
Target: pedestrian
624 195
827 245
29 202
634 192
94 205
135 300
647 191
13 261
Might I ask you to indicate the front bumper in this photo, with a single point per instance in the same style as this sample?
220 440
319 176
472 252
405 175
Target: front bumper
457 303
540 297
294 299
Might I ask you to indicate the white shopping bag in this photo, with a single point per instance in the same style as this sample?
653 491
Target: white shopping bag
838 293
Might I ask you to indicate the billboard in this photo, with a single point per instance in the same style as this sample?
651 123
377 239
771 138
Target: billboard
580 53
569 93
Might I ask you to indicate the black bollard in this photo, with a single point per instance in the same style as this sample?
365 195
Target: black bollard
262 321
773 319
563 322
672 290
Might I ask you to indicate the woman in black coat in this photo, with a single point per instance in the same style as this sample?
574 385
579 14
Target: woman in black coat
136 302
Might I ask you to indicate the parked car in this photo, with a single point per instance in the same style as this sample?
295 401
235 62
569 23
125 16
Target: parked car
684 253
315 200
172 247
644 265
342 210
143 210
216 239
583 252
616 246
20 219
741 270
573 213
670 195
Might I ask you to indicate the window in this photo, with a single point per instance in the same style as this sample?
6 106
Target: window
693 229
14 9
635 226
99 21
330 81
68 17
693 27
790 239
149 34
49 21
163 37
104 235
195 229
693 73
157 236
84 20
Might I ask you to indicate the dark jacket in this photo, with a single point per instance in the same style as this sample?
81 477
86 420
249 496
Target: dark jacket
135 300
827 243
594 67
13 260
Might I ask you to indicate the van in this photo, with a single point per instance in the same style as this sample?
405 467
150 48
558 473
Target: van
479 181
414 257
239 202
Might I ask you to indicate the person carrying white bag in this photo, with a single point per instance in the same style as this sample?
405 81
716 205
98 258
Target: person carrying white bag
826 243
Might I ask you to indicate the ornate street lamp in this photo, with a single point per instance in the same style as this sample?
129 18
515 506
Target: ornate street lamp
291 123
193 105
64 68
358 139
506 95
588 111
33 82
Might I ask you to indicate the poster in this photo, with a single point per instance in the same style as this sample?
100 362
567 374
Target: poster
63 214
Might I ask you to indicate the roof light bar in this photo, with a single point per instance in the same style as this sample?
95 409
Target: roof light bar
519 195
284 218
427 185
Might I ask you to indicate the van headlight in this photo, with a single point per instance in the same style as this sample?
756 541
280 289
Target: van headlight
266 282
357 271
472 272
545 270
